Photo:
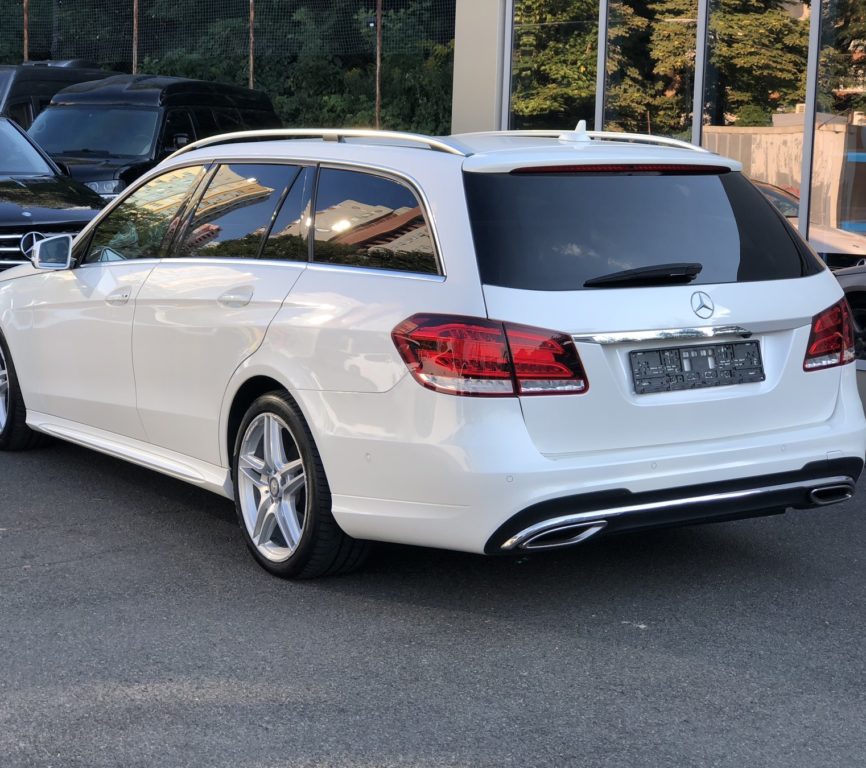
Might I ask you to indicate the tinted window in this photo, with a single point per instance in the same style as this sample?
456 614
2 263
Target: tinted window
17 155
553 232
139 226
95 131
205 121
21 113
288 238
178 130
369 221
236 210
228 120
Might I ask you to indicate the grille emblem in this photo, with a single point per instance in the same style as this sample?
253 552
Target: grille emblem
28 241
702 305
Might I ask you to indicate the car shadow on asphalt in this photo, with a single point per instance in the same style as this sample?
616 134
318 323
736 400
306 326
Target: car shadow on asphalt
675 563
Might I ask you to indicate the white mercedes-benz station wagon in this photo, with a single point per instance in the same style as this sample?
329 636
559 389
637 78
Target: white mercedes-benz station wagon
492 342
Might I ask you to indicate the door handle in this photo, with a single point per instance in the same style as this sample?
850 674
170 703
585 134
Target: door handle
119 297
236 298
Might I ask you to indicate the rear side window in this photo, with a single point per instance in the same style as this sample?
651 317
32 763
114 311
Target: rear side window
363 220
555 231
236 210
139 226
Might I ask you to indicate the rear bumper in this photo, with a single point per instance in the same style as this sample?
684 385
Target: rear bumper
412 466
570 520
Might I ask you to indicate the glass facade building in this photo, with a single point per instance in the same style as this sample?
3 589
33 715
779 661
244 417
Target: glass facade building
778 84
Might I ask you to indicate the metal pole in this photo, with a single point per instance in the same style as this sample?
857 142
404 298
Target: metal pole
810 116
701 42
378 64
252 42
26 30
507 61
601 65
134 37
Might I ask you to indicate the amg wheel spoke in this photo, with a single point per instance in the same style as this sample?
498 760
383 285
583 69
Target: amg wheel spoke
274 454
288 522
252 467
292 479
266 521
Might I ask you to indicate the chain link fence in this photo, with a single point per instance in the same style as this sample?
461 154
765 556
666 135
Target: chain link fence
315 58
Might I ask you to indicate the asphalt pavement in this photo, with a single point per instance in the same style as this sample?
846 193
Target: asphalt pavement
135 630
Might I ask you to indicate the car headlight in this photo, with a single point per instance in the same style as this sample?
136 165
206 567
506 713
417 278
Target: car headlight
107 188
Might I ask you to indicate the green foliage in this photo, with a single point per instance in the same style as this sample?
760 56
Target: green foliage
753 115
315 58
554 65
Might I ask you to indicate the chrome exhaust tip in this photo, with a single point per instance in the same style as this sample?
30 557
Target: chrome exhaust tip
554 537
831 494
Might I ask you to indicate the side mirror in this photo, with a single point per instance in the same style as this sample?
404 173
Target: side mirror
180 140
53 253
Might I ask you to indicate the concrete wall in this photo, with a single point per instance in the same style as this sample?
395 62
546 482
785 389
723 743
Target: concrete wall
775 155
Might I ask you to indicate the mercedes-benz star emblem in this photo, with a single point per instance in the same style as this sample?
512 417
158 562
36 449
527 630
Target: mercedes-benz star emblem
702 305
26 243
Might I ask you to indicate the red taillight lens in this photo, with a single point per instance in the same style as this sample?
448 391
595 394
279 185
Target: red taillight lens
545 363
473 356
831 341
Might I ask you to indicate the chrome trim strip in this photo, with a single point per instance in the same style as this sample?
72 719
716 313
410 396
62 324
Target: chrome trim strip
664 334
318 266
327 134
605 514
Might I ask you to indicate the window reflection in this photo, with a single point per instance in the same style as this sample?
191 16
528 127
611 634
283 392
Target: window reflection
137 228
368 221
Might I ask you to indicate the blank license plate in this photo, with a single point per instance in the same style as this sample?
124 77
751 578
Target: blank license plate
714 365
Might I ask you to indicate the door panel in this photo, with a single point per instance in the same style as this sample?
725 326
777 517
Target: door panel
72 333
195 323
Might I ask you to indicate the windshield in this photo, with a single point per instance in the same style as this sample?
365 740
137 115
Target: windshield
558 231
17 155
96 131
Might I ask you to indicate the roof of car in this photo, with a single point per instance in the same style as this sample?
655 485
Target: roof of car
159 90
480 152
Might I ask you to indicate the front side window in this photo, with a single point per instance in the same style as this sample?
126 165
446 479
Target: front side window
141 224
363 220
236 210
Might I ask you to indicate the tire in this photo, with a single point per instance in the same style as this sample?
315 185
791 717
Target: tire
15 435
282 496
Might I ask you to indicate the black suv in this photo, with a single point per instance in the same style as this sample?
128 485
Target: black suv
36 199
111 131
26 89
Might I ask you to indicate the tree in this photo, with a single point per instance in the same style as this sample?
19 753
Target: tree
554 64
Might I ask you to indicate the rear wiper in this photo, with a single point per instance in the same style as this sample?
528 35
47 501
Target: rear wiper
657 274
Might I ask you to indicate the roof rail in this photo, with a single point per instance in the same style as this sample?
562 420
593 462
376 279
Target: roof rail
636 138
326 134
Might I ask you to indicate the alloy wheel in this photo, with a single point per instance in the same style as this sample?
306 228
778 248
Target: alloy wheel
272 487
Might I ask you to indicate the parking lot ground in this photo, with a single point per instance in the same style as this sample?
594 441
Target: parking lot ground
136 630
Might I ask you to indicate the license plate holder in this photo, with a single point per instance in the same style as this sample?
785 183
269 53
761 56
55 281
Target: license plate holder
670 369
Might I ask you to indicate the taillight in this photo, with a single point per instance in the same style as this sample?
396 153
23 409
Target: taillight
831 341
473 356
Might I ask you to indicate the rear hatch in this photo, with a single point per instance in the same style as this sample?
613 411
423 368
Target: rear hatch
689 298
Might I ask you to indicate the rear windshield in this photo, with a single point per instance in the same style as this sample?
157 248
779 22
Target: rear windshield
555 231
